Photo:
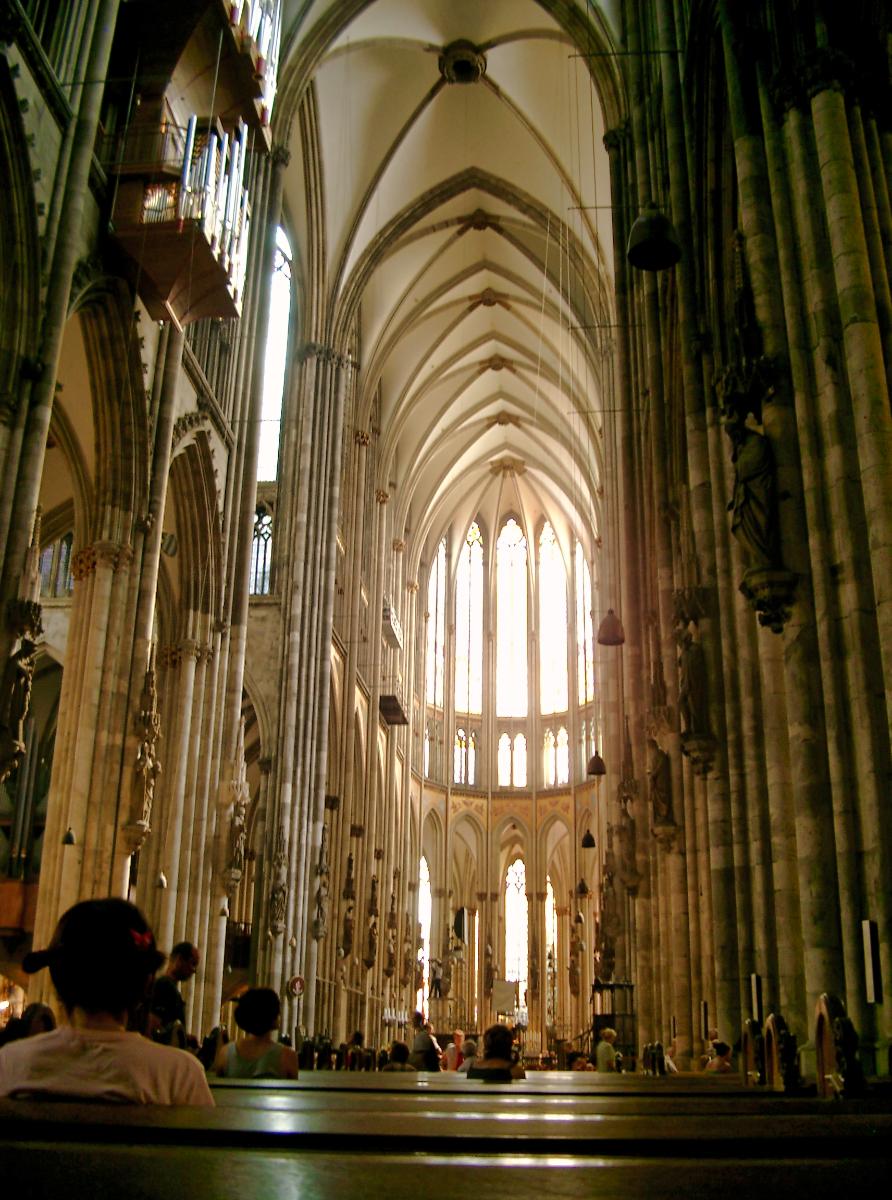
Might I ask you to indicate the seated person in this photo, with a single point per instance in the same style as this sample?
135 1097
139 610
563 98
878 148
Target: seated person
256 1055
37 1018
721 1063
577 1061
498 1064
469 1056
399 1059
102 958
605 1053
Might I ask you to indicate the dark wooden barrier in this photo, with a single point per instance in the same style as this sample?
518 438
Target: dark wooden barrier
839 1070
752 1054
325 1137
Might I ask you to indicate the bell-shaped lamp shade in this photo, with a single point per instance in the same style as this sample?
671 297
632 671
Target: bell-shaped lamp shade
588 841
579 919
653 242
610 631
582 888
69 839
596 765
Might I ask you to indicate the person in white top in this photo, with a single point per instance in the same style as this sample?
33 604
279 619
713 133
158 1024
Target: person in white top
102 958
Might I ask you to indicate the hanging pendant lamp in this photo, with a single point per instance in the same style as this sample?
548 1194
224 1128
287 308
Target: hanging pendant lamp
582 889
588 840
653 243
596 765
610 631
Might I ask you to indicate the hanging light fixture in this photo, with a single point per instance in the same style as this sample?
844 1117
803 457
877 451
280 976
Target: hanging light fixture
653 243
610 631
596 765
588 840
579 919
69 838
582 888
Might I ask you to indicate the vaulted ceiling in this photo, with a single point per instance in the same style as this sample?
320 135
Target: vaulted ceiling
449 189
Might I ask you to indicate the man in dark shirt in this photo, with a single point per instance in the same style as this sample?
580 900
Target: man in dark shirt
167 1009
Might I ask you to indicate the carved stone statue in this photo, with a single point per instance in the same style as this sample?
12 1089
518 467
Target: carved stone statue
574 969
277 899
533 988
371 943
446 978
692 682
349 892
408 961
754 501
488 970
628 869
320 918
390 954
15 700
347 930
373 897
278 894
659 776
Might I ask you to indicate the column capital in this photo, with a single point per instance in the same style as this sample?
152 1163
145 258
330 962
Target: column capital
362 437
381 496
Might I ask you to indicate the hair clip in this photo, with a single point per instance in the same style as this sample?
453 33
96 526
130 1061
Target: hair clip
142 941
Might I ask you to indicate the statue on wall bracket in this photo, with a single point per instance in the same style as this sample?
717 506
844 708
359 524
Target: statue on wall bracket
697 740
742 388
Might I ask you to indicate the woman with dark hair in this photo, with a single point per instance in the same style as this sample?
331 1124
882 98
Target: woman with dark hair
256 1055
102 958
498 1063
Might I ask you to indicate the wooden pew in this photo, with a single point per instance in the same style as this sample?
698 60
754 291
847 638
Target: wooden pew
342 1142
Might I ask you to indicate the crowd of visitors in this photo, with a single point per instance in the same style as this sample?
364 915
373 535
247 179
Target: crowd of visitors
125 1039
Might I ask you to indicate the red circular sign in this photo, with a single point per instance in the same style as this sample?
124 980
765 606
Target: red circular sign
296 985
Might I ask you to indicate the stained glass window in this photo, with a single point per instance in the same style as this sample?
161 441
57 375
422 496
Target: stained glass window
562 757
276 360
262 551
469 625
511 621
520 760
516 922
425 907
460 757
505 760
549 765
585 637
56 579
552 624
436 627
551 950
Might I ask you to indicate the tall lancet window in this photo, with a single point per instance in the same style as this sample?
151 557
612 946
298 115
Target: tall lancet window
425 908
585 636
469 625
511 622
516 919
276 360
551 950
553 689
563 757
436 627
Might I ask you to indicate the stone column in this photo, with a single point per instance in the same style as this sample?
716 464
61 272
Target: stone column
816 850
55 313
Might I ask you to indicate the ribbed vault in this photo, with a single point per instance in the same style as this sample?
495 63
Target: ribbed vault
449 181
